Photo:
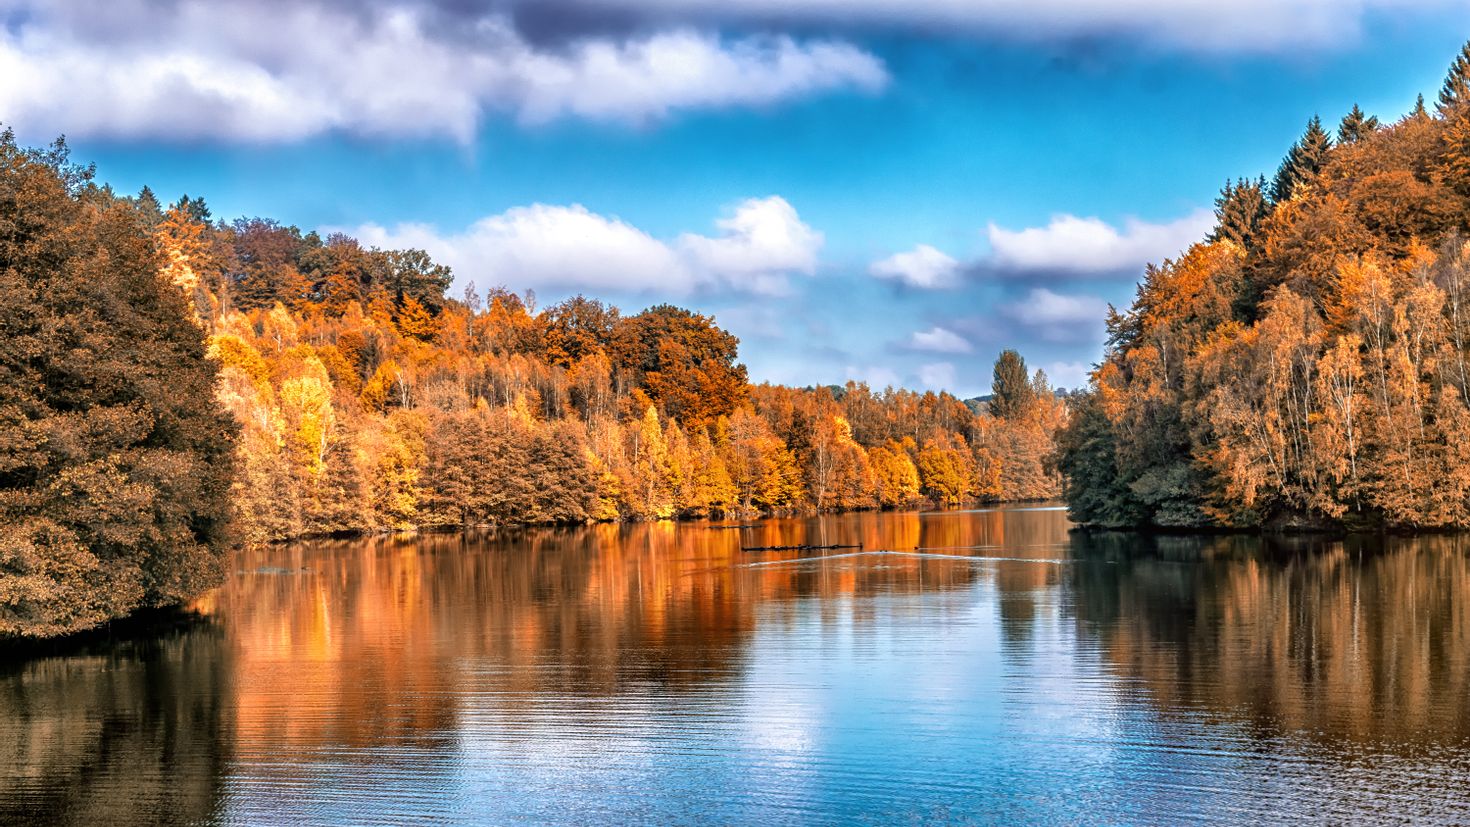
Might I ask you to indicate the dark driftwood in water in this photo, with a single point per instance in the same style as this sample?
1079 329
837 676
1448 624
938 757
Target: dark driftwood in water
728 527
798 548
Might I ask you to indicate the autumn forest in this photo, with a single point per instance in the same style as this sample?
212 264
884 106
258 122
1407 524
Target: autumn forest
176 381
176 384
1306 365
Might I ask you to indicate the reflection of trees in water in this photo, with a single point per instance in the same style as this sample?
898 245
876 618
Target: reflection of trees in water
127 732
405 624
371 652
1356 638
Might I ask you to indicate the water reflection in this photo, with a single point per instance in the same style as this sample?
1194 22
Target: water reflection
129 731
1365 639
970 665
610 604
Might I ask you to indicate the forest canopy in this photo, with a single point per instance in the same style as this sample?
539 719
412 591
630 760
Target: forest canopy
1306 364
115 457
175 383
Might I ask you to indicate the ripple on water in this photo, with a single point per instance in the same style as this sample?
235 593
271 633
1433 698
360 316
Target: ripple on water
992 668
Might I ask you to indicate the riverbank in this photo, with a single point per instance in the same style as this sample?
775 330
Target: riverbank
1284 525
923 506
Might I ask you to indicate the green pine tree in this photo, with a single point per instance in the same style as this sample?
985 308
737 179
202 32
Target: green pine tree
1239 211
1011 390
1420 112
1097 490
1356 126
195 208
1456 88
1302 162
148 208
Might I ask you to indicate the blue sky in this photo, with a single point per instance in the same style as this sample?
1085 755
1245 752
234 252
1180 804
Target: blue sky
869 189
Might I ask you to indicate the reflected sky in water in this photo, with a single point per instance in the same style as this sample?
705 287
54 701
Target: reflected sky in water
975 666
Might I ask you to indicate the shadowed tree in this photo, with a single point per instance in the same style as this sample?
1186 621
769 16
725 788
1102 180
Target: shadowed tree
412 274
1240 209
115 458
1012 393
1303 161
1356 126
1456 89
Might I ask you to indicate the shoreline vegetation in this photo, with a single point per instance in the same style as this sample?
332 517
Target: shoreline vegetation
174 386
1306 366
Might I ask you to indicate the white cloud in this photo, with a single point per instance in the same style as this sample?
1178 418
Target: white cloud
547 246
937 376
251 70
939 340
570 247
1192 25
1079 246
283 70
923 267
1045 307
759 245
1056 317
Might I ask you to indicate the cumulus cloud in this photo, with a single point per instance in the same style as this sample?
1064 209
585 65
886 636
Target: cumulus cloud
939 340
762 242
267 70
1193 25
1067 247
547 246
923 267
1058 317
1073 246
757 247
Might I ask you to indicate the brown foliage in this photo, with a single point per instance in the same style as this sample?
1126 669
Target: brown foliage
1327 386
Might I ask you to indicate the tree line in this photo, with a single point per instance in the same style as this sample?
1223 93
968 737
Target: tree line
371 405
1306 364
172 384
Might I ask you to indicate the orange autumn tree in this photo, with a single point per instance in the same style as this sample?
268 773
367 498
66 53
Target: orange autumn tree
1306 366
116 455
390 412
366 399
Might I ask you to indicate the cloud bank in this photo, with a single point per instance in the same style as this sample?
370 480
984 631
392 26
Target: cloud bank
1058 317
271 71
1211 26
1068 247
284 70
758 247
1074 246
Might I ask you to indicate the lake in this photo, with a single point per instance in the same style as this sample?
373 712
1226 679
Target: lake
966 666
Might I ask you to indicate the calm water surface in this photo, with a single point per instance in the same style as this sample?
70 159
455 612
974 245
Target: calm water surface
1004 672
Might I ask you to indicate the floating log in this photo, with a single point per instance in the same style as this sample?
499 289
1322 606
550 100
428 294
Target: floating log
798 548
729 527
